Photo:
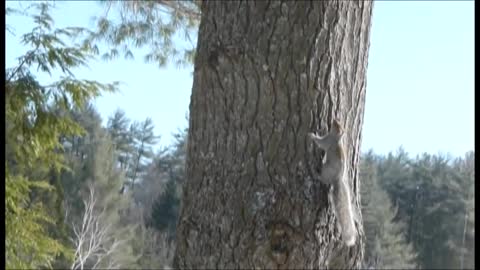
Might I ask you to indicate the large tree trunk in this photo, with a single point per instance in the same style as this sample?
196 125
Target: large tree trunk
266 74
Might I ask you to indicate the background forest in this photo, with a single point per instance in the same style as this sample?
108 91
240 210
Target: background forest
81 195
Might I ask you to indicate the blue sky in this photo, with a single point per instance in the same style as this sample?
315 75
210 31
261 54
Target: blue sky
420 80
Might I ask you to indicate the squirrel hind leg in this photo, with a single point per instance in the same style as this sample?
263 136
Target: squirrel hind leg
349 239
349 234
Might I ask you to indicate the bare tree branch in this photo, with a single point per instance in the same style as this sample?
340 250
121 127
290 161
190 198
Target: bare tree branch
93 240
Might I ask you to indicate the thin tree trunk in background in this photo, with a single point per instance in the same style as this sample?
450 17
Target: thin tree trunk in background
266 74
463 250
136 166
463 241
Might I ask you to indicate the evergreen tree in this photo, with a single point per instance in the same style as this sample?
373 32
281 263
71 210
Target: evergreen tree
165 210
117 127
466 247
385 245
174 161
433 201
33 132
98 169
144 139
170 172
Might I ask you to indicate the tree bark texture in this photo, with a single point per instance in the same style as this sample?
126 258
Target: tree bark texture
266 74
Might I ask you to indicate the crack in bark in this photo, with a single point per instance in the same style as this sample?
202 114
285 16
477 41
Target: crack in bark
243 116
225 115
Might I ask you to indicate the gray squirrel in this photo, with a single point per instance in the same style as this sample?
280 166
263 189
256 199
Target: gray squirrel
334 173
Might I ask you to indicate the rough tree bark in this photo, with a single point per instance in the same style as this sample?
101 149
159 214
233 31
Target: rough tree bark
266 74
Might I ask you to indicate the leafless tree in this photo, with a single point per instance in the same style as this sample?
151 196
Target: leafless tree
93 240
157 249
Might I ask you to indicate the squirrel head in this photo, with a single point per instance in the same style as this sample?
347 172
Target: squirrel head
337 129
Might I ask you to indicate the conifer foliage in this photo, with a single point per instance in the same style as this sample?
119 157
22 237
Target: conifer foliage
432 222
33 131
385 246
